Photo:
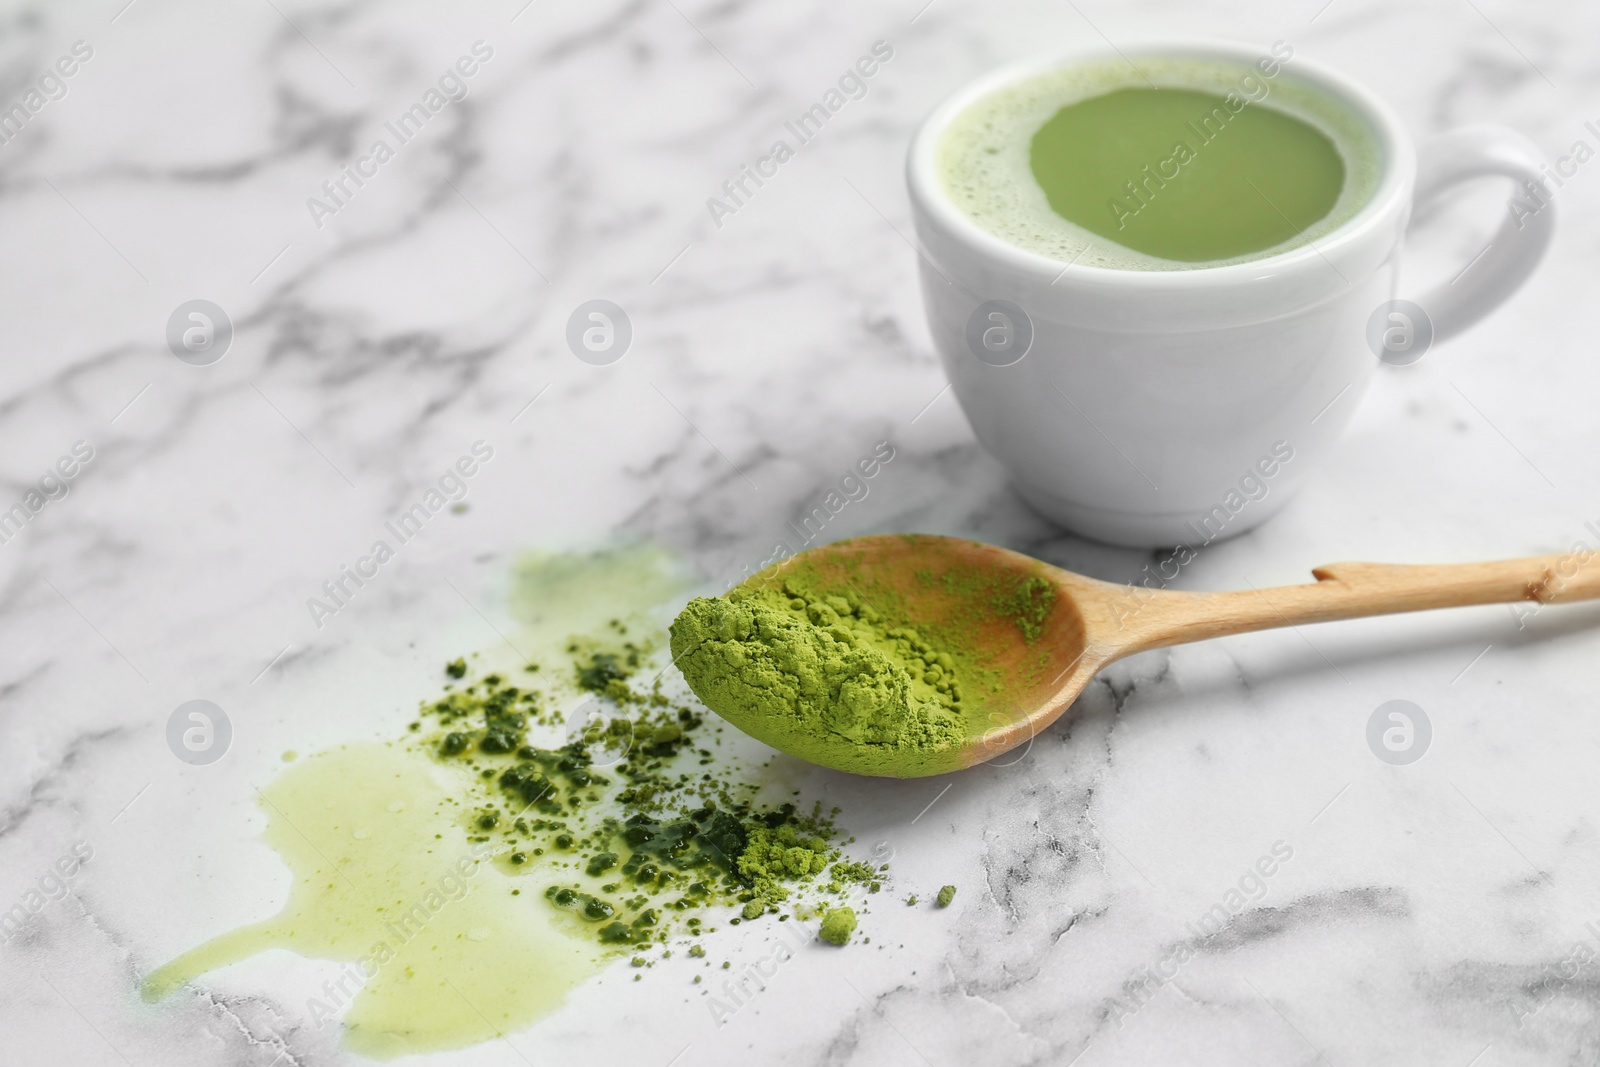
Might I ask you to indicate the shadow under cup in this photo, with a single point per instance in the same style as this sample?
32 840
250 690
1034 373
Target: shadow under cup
1159 407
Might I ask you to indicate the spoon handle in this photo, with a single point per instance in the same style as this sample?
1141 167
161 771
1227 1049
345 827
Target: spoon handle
1357 590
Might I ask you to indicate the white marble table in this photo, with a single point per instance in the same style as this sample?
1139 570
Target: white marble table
1427 913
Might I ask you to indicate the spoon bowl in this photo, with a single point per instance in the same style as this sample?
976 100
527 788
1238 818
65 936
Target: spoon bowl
947 588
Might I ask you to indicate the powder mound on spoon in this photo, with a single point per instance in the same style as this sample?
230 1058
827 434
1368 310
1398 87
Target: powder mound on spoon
821 676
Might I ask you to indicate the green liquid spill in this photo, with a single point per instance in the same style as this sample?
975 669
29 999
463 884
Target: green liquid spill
386 879
556 594
1175 173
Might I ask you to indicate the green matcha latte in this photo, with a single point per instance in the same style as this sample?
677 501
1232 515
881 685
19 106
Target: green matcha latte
1160 162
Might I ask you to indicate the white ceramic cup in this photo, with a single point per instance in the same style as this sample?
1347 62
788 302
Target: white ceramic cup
1171 407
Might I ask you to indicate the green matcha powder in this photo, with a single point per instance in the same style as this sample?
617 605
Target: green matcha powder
804 671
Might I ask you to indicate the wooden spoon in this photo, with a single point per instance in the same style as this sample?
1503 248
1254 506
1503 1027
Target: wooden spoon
941 586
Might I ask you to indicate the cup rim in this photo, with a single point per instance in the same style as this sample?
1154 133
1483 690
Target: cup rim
1393 191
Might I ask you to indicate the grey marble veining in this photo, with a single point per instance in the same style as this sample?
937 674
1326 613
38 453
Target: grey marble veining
1428 913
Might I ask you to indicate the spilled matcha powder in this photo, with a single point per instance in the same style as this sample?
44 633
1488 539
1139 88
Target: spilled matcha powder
837 925
626 840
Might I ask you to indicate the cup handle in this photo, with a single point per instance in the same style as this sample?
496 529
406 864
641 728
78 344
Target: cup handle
1519 244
